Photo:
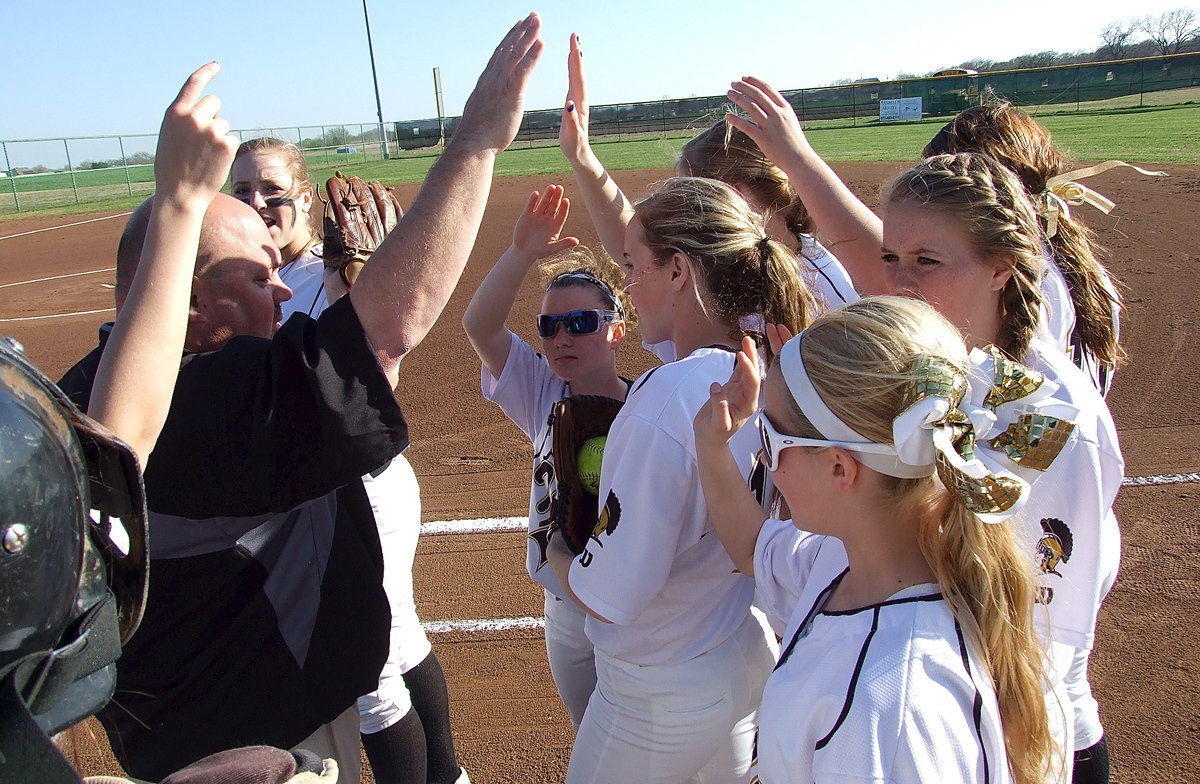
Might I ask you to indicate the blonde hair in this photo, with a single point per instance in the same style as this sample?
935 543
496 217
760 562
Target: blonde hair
289 153
859 357
296 165
989 203
743 271
1024 146
724 153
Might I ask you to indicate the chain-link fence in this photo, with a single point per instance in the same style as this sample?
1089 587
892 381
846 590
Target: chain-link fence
49 172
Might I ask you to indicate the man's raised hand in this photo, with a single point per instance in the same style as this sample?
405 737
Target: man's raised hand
492 114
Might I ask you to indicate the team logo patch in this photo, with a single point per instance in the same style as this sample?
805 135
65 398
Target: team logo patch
606 523
1056 545
609 517
1053 549
544 479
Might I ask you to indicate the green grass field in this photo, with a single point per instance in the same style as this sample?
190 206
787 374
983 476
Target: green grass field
1144 135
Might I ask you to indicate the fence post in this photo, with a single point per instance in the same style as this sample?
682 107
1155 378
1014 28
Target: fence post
1077 88
12 180
125 165
71 169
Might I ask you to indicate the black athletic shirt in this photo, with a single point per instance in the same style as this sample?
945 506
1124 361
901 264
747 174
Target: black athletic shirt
266 616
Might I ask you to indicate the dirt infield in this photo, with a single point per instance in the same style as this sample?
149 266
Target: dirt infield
473 463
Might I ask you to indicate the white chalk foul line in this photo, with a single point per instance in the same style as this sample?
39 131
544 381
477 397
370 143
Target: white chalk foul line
66 225
481 525
57 315
484 625
56 277
1162 479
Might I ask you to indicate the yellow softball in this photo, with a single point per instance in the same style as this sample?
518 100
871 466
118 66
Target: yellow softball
587 464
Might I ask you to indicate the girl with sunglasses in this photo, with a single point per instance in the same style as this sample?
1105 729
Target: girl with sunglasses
680 659
581 326
910 652
960 232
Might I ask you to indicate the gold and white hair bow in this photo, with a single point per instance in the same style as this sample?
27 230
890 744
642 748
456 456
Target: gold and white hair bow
988 435
1063 192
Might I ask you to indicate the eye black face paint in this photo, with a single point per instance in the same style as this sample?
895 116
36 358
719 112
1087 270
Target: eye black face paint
282 201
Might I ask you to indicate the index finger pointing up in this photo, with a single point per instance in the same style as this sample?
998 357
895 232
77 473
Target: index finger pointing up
195 84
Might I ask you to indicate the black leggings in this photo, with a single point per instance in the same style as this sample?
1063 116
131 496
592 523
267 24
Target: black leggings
418 749
1092 764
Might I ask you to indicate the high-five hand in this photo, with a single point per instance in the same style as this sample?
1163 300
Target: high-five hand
492 114
195 149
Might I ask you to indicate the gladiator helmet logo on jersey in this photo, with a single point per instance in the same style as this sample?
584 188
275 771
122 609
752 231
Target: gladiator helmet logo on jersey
1055 546
606 523
610 515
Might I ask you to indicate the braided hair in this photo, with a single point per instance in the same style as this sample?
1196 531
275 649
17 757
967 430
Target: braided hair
1023 145
991 206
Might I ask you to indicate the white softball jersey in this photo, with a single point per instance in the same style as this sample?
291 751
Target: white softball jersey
527 391
305 276
1068 520
825 275
886 693
1058 325
657 569
1071 533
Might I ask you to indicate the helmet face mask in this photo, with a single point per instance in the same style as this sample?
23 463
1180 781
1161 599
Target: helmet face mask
73 552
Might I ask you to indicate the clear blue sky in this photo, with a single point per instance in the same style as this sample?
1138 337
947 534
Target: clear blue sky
88 67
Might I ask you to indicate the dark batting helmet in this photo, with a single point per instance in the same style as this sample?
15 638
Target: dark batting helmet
72 566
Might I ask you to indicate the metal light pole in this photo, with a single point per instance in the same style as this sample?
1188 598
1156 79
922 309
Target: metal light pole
383 145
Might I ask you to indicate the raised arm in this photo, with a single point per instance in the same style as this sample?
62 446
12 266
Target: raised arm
606 204
400 294
535 237
847 225
733 509
136 376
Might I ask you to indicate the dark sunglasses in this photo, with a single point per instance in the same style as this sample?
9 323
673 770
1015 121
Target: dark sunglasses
577 322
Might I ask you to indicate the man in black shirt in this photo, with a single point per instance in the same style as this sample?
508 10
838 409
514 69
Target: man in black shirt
266 617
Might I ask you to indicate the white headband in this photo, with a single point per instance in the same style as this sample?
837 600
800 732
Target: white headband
791 362
988 437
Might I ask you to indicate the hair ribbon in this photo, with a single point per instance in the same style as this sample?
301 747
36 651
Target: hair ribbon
1063 192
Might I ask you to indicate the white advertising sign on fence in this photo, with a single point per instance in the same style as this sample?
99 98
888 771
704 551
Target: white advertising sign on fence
895 109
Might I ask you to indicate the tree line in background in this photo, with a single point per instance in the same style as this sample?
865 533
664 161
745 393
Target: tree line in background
1171 32
133 159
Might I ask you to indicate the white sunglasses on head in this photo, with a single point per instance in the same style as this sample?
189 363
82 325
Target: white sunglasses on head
774 442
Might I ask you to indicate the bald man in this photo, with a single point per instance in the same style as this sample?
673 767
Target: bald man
267 617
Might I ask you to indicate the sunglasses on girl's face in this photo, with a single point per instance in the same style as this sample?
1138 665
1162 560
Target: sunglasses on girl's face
577 322
774 442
